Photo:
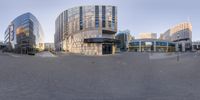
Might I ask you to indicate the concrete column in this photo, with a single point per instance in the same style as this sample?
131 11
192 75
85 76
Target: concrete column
167 47
183 47
140 49
100 51
113 47
154 46
193 47
177 44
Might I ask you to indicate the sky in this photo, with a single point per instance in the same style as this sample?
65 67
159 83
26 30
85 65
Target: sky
135 15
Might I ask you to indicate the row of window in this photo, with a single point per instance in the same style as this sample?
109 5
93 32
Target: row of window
151 44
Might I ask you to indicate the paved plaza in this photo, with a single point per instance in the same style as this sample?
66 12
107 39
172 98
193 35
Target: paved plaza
124 76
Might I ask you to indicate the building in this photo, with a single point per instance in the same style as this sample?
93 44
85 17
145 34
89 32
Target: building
49 46
24 35
2 45
195 45
152 45
88 30
124 38
180 33
147 35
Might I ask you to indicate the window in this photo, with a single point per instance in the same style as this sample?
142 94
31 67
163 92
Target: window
96 16
109 24
12 32
81 18
103 16
113 17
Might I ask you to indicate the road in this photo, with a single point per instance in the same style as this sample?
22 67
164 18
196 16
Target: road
125 76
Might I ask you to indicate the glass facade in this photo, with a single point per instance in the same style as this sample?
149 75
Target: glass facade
152 45
124 37
25 34
161 43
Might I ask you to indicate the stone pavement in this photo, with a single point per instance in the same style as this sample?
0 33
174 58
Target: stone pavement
126 76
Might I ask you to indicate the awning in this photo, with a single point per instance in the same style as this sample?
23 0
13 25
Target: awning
101 40
108 32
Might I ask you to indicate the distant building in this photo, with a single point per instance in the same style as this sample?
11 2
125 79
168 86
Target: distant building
124 37
88 30
180 33
147 35
166 35
195 45
24 35
2 45
49 46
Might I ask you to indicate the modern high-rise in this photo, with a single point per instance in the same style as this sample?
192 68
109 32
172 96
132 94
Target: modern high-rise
181 34
24 35
88 30
148 35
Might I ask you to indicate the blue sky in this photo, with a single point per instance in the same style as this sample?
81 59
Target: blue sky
136 15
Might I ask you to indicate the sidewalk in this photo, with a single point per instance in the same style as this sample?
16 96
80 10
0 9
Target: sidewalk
163 55
45 54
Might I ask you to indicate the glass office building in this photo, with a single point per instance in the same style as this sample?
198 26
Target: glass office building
152 45
24 35
124 38
88 30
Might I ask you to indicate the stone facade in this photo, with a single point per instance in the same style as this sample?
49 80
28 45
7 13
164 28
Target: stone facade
93 23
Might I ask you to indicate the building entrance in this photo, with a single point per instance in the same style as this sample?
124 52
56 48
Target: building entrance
106 48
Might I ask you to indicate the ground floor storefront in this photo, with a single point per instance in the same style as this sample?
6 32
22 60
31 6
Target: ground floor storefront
152 49
152 45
